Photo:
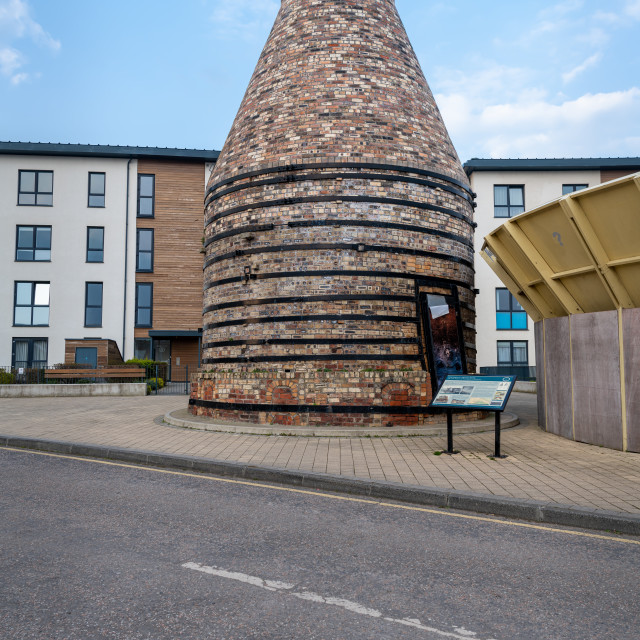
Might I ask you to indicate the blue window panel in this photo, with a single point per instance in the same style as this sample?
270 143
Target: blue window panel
519 320
503 320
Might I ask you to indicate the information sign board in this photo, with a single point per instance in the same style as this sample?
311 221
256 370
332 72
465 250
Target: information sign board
490 393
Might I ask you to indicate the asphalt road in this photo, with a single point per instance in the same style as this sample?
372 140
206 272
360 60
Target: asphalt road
93 550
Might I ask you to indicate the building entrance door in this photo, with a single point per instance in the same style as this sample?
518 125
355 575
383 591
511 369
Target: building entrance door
162 353
88 356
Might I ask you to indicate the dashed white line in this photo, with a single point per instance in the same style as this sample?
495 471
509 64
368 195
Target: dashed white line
460 633
269 585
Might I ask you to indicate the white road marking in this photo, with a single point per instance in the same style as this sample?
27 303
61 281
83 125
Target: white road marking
354 607
269 585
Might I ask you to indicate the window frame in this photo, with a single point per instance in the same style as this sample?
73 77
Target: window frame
103 194
574 187
33 305
94 250
509 206
153 196
510 311
88 306
511 344
35 192
149 354
137 325
152 252
34 246
30 360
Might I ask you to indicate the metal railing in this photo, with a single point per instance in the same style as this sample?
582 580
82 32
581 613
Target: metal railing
21 375
178 384
522 371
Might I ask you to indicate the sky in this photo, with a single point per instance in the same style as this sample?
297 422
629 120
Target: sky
525 79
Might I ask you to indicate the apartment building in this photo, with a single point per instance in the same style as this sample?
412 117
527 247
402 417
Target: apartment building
504 189
100 244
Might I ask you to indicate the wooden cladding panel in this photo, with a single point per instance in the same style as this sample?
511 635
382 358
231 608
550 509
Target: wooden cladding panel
614 174
186 350
108 352
178 230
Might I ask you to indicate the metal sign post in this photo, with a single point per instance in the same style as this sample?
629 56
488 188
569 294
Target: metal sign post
465 393
497 453
450 451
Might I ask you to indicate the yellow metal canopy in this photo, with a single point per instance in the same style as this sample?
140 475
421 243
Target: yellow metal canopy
577 254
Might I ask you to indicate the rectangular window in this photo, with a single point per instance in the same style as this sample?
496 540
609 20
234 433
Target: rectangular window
144 304
96 189
571 188
144 250
508 200
146 195
509 313
142 349
95 244
93 304
35 188
513 352
29 353
33 244
31 304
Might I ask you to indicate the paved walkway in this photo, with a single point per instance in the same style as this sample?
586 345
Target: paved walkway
539 466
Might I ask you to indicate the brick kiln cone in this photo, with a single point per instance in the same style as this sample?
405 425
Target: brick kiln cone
339 233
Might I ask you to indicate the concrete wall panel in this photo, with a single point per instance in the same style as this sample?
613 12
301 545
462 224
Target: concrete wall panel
597 401
558 377
631 350
539 342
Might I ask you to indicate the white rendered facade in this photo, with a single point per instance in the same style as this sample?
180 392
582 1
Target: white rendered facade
68 269
69 249
541 181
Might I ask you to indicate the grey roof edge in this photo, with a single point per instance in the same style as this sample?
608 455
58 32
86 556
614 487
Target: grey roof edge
105 151
549 164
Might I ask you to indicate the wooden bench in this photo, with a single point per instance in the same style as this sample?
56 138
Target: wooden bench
70 374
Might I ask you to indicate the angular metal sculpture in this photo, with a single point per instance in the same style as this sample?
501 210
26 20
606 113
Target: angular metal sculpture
339 253
574 265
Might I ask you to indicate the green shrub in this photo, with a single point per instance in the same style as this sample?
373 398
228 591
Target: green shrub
70 365
149 366
155 383
6 377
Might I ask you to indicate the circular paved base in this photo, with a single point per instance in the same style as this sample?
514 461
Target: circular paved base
182 418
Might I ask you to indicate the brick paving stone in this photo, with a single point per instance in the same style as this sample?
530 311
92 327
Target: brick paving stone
539 466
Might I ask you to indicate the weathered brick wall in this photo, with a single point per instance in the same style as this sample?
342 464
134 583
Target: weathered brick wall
261 393
337 198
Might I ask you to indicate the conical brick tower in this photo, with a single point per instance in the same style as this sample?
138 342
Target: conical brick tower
339 253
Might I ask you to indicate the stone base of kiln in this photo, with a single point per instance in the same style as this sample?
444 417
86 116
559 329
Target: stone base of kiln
335 398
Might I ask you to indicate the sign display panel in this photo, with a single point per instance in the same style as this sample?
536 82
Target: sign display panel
474 392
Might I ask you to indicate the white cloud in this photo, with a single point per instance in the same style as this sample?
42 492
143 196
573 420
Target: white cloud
591 61
633 9
10 61
15 19
593 124
561 9
19 78
16 23
246 19
487 80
